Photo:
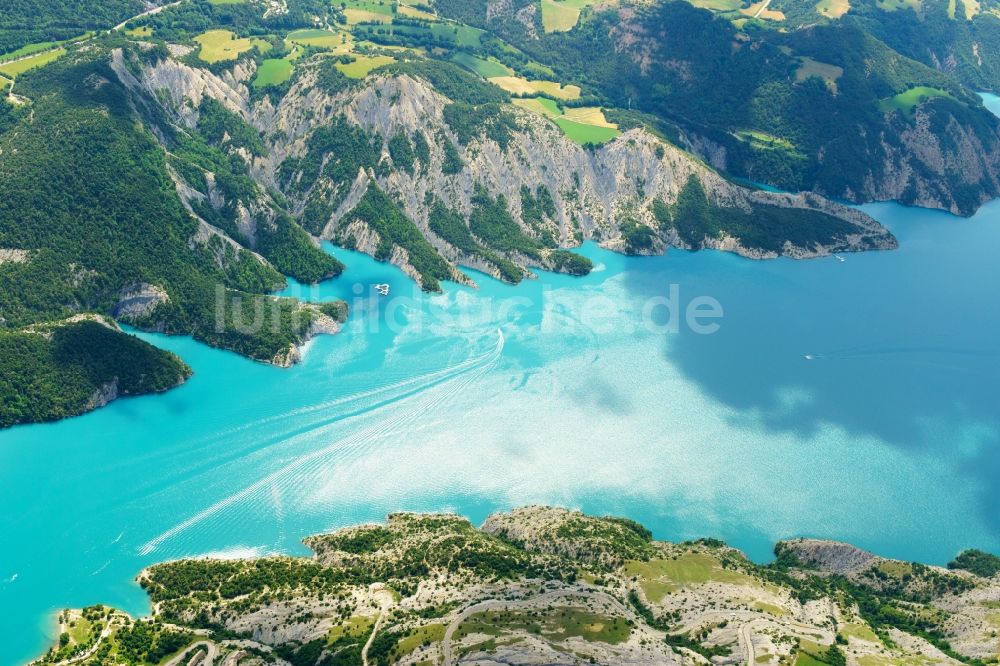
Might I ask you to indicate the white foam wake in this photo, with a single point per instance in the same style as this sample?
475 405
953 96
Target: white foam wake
406 409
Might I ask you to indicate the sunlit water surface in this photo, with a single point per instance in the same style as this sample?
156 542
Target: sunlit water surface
855 399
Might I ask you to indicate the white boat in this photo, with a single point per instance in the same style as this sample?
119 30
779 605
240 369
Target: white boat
382 289
839 258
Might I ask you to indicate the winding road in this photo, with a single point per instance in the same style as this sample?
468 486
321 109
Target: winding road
386 601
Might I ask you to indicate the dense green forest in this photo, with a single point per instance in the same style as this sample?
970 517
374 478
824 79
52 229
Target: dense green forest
24 22
90 232
55 371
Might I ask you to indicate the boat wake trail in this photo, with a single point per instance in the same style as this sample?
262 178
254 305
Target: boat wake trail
410 400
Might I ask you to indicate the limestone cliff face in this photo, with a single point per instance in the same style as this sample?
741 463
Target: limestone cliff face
829 556
920 169
595 192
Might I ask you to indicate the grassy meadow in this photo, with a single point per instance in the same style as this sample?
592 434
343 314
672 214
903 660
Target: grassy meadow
11 69
362 65
906 102
485 68
562 15
219 45
584 134
272 71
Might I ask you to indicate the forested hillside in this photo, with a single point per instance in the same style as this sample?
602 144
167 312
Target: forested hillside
23 22
827 107
171 173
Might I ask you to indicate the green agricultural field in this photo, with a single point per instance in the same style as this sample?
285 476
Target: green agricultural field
219 45
584 134
324 39
271 72
27 50
362 65
906 102
460 35
517 85
484 68
413 12
38 47
141 31
366 11
562 15
13 68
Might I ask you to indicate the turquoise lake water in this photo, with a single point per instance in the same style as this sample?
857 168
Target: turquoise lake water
855 400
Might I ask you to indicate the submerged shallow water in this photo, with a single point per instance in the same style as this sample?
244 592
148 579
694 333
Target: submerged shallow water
855 400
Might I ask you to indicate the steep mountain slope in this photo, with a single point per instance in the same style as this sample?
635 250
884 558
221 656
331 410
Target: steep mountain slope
543 586
90 221
393 167
169 174
816 107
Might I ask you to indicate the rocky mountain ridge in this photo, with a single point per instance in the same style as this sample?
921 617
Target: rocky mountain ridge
597 194
536 585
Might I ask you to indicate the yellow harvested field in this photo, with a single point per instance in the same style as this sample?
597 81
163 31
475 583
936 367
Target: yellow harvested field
513 84
219 45
354 16
519 86
589 115
362 65
535 105
335 42
558 16
413 12
553 89
563 15
833 8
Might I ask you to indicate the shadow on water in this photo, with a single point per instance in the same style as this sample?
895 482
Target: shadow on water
899 346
